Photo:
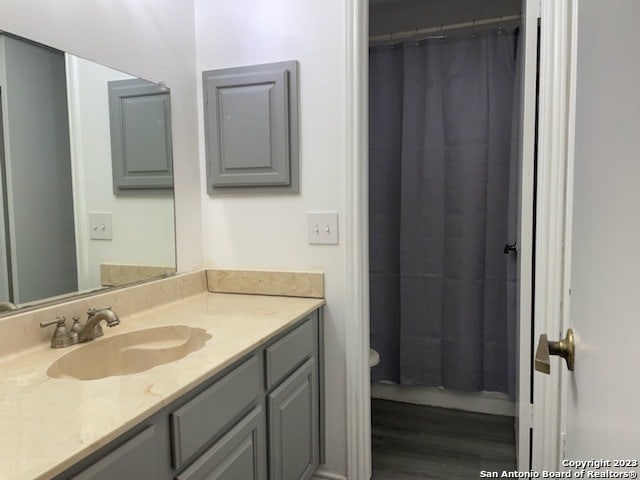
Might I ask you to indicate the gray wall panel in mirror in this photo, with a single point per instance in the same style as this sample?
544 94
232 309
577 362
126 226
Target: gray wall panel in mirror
140 117
251 128
55 113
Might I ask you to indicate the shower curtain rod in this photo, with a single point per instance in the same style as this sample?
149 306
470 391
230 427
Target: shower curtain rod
441 29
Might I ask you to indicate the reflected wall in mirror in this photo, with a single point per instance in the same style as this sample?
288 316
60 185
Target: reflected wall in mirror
64 226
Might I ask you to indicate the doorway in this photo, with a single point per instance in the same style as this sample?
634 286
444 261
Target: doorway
522 405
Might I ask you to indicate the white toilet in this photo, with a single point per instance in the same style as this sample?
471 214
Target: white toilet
374 358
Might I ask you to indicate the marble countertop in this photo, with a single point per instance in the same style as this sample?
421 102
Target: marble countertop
47 425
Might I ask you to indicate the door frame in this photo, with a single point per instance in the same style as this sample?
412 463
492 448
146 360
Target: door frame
555 117
558 54
526 201
358 387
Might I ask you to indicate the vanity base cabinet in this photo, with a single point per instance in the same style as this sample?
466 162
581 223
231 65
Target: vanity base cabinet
259 419
293 425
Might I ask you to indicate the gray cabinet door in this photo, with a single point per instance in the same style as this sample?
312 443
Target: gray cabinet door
251 128
293 425
134 459
240 454
140 119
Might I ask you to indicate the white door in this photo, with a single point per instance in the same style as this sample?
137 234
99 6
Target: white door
602 414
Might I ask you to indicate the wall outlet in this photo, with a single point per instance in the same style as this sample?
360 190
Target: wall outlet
322 228
100 227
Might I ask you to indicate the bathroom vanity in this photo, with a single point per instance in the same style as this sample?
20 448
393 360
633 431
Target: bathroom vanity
247 404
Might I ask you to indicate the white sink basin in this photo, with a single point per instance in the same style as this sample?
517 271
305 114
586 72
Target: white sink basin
129 353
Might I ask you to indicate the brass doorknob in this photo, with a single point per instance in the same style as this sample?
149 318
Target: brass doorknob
564 348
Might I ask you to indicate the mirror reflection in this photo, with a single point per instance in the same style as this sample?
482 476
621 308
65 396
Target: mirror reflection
87 187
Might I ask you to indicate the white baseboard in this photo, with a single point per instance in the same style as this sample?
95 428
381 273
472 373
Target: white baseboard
482 402
324 475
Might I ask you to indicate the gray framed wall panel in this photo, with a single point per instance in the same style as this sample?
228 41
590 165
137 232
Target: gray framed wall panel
251 119
141 149
251 128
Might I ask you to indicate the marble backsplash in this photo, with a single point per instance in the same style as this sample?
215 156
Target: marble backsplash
266 282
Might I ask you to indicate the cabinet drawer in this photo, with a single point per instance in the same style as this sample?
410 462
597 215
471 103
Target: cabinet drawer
134 459
239 454
211 412
286 354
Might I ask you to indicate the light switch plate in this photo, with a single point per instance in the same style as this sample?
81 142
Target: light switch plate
322 228
100 227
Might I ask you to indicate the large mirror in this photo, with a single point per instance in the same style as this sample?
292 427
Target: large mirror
86 176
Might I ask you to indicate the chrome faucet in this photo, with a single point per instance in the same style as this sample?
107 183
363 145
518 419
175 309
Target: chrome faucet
92 328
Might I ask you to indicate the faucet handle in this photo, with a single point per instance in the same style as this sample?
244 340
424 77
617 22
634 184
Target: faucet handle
77 326
60 320
62 337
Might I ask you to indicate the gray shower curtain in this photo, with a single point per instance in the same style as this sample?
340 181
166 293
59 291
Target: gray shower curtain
443 198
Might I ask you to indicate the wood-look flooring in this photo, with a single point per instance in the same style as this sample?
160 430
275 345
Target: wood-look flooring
418 442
